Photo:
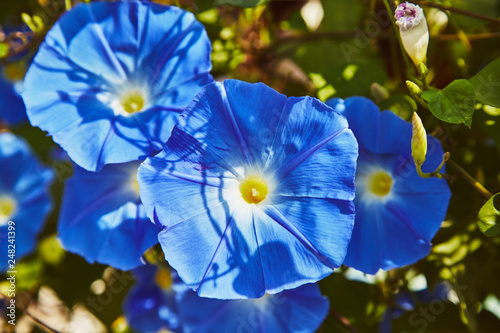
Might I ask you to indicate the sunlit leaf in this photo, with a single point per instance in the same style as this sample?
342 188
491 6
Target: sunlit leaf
487 84
488 218
454 104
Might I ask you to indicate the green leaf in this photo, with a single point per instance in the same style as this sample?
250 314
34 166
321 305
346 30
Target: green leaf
4 50
240 3
487 84
454 104
488 218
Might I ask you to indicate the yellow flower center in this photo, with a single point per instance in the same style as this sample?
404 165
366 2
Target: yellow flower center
163 279
134 183
7 208
380 183
14 71
253 190
133 101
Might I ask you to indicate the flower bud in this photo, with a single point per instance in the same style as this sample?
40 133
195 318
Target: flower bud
418 140
413 88
413 30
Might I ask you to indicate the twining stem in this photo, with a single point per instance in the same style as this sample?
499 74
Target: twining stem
477 185
458 11
409 65
343 320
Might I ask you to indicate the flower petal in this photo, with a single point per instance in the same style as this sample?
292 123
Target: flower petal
93 56
102 218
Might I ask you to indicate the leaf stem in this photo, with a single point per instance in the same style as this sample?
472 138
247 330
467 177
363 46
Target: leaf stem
477 185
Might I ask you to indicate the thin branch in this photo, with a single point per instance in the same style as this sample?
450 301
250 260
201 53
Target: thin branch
486 35
477 185
459 11
343 320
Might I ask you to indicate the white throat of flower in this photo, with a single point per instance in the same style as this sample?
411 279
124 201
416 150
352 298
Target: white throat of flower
8 207
127 99
133 183
375 185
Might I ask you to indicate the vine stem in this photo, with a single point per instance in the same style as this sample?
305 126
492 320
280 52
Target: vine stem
459 11
477 185
343 320
409 65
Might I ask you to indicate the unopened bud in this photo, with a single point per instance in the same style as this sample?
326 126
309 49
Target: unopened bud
413 88
418 140
422 69
413 30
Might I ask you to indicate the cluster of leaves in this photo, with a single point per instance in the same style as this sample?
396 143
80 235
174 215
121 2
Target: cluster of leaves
353 51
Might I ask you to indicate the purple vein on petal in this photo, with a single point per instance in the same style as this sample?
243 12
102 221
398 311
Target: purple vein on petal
221 246
106 48
111 132
402 217
277 216
247 154
304 155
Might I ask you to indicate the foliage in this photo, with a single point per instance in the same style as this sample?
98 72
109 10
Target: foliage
354 50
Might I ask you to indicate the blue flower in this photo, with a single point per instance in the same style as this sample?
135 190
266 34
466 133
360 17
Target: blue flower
253 191
24 197
397 212
150 303
12 110
178 308
406 301
302 309
102 218
111 78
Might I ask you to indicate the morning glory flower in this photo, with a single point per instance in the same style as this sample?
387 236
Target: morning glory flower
150 303
102 218
397 212
253 191
12 110
176 307
111 78
24 196
413 31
